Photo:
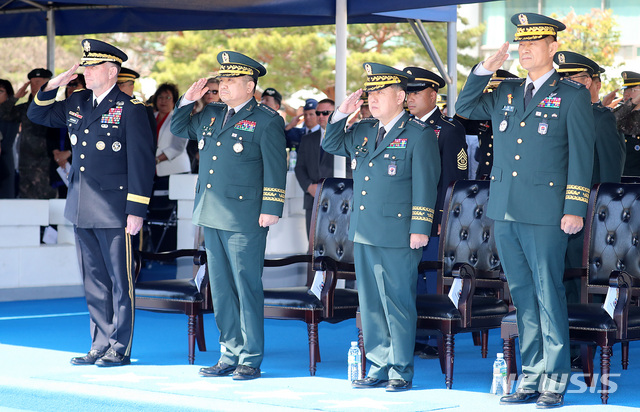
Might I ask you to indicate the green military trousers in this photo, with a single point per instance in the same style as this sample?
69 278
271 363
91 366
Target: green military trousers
235 263
533 260
387 279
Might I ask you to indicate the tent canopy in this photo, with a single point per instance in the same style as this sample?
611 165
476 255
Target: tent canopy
20 18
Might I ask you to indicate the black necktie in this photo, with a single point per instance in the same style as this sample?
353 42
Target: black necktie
229 115
528 95
95 103
381 133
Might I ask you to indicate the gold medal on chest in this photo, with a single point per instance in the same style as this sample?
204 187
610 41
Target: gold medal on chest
100 145
238 147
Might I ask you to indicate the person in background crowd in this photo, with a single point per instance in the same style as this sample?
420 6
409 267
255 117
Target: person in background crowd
272 98
540 186
294 133
396 167
628 120
109 189
8 132
76 84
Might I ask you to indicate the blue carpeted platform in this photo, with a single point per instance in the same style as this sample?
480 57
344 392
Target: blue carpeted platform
37 339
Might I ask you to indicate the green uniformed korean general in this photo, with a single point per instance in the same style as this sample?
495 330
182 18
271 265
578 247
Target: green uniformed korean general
540 183
396 167
239 194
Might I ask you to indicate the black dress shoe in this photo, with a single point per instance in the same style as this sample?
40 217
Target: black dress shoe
245 373
519 397
113 358
88 359
548 400
428 352
219 369
368 383
398 385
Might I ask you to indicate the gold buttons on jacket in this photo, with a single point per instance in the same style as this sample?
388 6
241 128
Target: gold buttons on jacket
366 178
208 185
82 156
522 124
82 168
550 183
215 158
86 131
361 207
240 197
364 192
370 164
211 171
84 143
519 141
514 174
517 157
399 214
218 144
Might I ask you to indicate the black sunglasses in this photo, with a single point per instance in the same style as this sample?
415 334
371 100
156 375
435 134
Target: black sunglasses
324 113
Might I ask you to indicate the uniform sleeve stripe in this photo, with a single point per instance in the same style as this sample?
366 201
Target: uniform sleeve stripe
273 189
43 102
138 199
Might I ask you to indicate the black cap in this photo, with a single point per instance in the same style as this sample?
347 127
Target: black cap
571 63
270 91
42 73
630 79
380 76
234 64
97 52
127 74
498 77
533 26
422 79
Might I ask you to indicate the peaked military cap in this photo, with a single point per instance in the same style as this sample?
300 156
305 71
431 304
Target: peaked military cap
380 76
423 78
234 64
498 77
270 91
127 74
97 52
42 73
630 79
572 63
365 98
533 26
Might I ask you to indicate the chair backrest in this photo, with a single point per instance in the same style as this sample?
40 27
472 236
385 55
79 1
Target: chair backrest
466 234
330 222
612 235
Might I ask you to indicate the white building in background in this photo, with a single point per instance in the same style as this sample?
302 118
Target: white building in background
497 17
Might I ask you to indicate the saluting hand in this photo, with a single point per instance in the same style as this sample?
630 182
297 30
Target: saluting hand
62 79
197 90
609 98
352 103
571 224
417 240
22 91
496 60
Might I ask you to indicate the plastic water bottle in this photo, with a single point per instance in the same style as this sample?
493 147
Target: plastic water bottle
499 384
293 158
355 369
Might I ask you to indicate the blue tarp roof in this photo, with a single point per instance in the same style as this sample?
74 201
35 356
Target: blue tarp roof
20 18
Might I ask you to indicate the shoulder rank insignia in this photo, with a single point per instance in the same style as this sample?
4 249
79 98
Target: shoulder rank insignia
136 101
267 109
417 122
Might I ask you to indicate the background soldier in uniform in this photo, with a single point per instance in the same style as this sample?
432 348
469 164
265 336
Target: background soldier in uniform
239 194
540 180
109 189
628 118
396 167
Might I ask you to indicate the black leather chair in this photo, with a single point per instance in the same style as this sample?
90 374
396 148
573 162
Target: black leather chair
466 251
332 251
611 259
177 295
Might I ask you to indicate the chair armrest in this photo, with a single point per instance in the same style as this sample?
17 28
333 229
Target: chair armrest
285 261
467 274
429 265
623 282
199 257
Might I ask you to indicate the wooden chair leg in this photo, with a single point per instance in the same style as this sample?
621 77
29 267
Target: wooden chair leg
625 355
605 370
476 338
363 355
449 349
586 353
312 329
508 348
191 327
442 354
484 349
202 346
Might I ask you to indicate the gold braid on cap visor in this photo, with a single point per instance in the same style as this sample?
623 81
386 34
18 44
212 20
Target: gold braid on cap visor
99 57
381 81
535 31
236 69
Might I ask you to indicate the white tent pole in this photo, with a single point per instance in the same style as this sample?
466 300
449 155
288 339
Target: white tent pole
452 63
339 167
51 40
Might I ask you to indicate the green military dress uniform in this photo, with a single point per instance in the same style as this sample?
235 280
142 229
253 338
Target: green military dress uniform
242 174
628 120
395 188
543 159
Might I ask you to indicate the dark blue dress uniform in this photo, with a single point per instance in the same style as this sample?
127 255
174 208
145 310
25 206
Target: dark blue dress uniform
111 177
628 120
394 196
242 174
543 159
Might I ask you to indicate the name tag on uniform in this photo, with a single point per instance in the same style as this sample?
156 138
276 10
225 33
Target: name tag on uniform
508 108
